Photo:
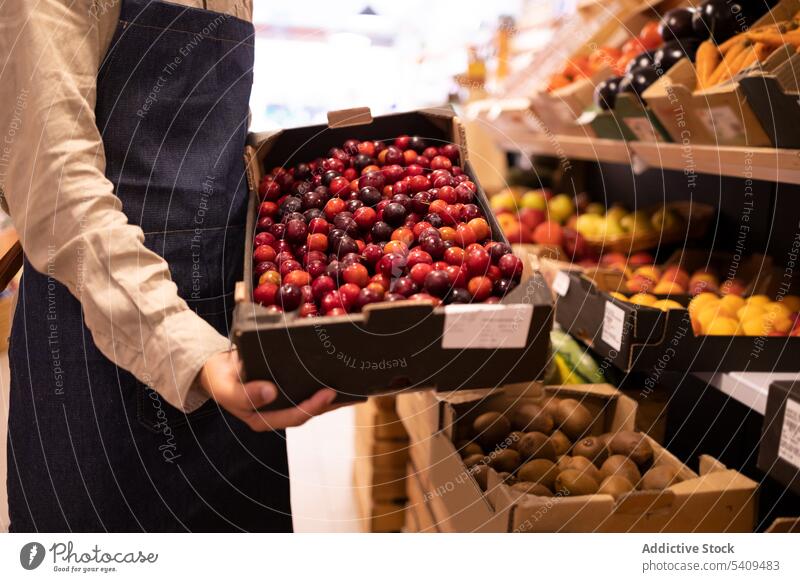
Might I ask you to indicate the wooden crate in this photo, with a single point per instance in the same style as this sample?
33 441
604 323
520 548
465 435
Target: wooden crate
379 470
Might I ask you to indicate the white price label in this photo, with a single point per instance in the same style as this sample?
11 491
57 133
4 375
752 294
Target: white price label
721 121
789 448
561 283
643 129
486 326
613 325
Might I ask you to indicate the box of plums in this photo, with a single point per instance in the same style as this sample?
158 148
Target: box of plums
374 264
533 458
715 314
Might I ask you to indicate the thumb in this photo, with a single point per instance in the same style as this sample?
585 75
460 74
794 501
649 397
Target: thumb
259 393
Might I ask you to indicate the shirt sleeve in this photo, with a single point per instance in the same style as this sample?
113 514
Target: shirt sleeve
69 221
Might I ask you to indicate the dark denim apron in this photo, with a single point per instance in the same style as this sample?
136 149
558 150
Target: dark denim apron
90 447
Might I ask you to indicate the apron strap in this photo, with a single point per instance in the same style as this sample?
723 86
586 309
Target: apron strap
10 264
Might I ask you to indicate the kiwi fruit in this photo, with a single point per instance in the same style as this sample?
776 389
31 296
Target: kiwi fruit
536 445
538 471
633 445
468 449
573 418
550 405
592 449
505 460
615 485
473 460
580 464
490 428
621 466
572 482
560 443
481 475
660 477
531 418
532 489
513 439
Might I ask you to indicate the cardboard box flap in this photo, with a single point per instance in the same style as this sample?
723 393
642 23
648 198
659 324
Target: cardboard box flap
786 74
709 464
349 117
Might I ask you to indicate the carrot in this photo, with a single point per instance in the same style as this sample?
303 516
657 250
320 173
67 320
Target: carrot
706 60
776 39
725 69
763 51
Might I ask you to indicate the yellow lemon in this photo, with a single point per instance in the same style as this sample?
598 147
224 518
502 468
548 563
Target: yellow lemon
757 325
708 314
699 301
618 295
782 324
792 302
779 309
643 299
757 300
667 304
723 326
749 311
731 304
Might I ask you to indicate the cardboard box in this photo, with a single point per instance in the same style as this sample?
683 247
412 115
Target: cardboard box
630 120
720 115
382 422
785 525
560 109
387 347
774 97
436 421
633 337
419 516
716 500
779 448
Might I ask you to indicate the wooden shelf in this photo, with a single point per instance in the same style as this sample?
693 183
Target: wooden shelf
774 165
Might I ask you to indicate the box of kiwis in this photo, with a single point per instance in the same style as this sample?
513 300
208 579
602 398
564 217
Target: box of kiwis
575 464
567 458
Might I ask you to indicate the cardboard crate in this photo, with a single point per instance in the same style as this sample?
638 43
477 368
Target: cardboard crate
719 115
435 422
774 97
419 516
375 417
389 346
639 338
380 517
715 500
562 108
630 120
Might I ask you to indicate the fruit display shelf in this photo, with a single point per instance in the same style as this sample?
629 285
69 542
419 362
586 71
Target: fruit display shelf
636 337
380 346
760 163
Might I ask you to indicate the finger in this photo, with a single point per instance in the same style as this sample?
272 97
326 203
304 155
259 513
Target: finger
291 417
258 393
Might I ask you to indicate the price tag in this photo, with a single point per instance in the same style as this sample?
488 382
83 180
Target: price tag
613 325
721 121
789 448
486 326
561 283
643 129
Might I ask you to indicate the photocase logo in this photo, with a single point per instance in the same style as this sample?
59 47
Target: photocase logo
31 555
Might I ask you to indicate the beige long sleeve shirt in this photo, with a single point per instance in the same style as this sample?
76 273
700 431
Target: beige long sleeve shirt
70 223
